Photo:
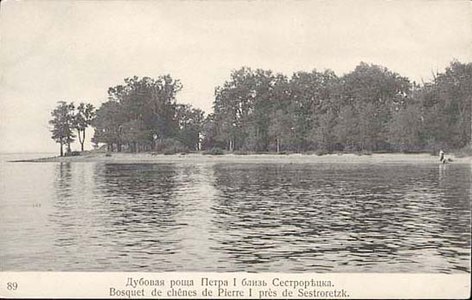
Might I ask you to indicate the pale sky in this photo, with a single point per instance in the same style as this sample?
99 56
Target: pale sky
75 50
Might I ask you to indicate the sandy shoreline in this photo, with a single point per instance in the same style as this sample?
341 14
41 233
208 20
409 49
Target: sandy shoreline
250 158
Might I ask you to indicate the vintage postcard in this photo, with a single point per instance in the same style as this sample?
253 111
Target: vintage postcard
235 149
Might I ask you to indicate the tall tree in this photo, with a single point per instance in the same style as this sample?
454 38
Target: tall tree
347 128
405 129
447 105
374 93
62 125
281 129
190 126
108 124
139 113
232 105
83 118
311 94
243 106
323 134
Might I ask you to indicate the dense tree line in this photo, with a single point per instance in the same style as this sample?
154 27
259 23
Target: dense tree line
369 109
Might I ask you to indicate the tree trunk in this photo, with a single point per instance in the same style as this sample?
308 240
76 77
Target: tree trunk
83 141
278 145
61 149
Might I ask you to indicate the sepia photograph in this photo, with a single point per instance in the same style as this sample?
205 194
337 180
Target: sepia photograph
249 137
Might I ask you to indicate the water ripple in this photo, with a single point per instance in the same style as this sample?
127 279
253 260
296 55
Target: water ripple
236 217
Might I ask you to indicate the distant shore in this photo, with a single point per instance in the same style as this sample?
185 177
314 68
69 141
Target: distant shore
249 158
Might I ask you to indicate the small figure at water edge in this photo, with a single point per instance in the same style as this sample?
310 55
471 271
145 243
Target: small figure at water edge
442 157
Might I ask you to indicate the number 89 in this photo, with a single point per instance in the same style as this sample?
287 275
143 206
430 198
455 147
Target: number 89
12 286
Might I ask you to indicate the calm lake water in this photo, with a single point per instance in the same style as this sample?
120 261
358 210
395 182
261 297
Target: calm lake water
400 217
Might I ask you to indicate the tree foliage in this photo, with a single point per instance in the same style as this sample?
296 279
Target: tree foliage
83 118
63 125
368 109
371 108
142 113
